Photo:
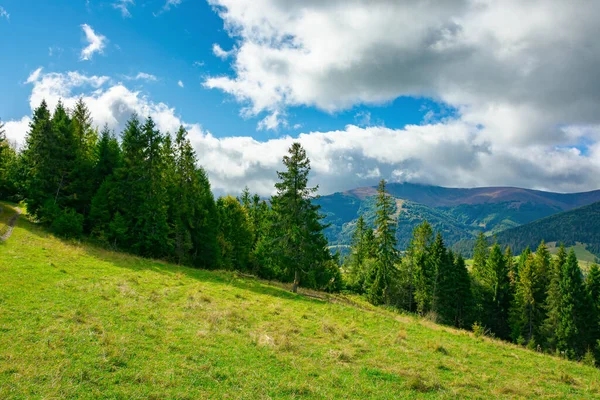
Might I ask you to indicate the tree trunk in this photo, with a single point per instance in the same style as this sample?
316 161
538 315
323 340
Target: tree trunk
296 281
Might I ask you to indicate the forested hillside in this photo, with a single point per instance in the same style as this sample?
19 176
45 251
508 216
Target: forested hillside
459 214
581 225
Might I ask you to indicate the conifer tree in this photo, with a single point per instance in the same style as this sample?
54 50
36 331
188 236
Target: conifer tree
8 167
553 297
464 296
497 283
570 331
42 179
419 267
527 312
592 284
382 274
298 236
444 289
82 185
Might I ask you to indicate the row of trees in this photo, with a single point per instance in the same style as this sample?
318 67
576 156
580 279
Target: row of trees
534 299
146 194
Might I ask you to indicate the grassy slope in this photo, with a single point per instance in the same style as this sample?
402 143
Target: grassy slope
81 322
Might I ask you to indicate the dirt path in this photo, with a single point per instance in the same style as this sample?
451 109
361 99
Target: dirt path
11 224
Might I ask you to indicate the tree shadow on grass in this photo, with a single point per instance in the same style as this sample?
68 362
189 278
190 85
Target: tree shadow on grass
137 263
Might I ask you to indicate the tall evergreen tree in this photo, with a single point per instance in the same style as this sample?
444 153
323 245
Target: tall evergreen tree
82 185
383 272
497 283
299 242
571 309
419 268
592 284
553 298
527 313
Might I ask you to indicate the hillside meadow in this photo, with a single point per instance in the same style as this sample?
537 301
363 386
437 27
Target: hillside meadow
78 321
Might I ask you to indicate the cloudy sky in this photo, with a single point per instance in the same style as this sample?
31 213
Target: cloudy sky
456 93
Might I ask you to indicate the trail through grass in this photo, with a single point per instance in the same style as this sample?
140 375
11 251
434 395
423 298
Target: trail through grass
77 321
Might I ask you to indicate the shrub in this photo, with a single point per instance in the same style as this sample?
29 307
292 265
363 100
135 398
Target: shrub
68 224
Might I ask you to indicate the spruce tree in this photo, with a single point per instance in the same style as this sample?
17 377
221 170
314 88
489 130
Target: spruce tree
497 283
419 267
592 284
381 276
553 298
527 313
42 180
464 296
299 242
570 332
358 256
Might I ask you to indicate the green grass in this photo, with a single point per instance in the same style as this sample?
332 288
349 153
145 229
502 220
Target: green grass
583 255
77 321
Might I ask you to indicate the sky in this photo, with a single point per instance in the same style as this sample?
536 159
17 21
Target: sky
459 93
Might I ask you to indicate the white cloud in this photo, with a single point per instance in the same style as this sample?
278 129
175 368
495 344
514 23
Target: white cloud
4 13
219 52
97 43
198 63
143 76
123 6
180 84
17 130
453 152
520 69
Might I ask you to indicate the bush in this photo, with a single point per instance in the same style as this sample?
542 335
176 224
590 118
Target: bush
68 224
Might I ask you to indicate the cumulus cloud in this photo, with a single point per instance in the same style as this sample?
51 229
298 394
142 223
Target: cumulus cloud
180 84
96 43
123 6
453 152
520 69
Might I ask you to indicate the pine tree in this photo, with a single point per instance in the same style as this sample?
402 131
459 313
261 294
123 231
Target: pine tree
235 236
444 293
527 313
42 180
497 283
570 331
299 242
108 154
419 268
592 284
383 272
205 228
553 298
464 296
82 185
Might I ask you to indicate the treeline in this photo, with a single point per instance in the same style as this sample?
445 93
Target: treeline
536 300
146 194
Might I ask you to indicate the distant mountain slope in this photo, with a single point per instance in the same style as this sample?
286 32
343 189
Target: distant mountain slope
458 213
581 225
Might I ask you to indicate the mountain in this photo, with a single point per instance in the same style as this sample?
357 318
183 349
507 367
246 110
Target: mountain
578 226
459 213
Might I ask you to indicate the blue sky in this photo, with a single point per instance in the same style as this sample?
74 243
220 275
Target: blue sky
174 45
460 93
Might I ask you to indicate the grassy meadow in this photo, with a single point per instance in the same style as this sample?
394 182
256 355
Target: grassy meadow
78 321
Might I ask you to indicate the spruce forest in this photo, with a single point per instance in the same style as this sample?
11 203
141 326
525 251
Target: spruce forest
144 193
